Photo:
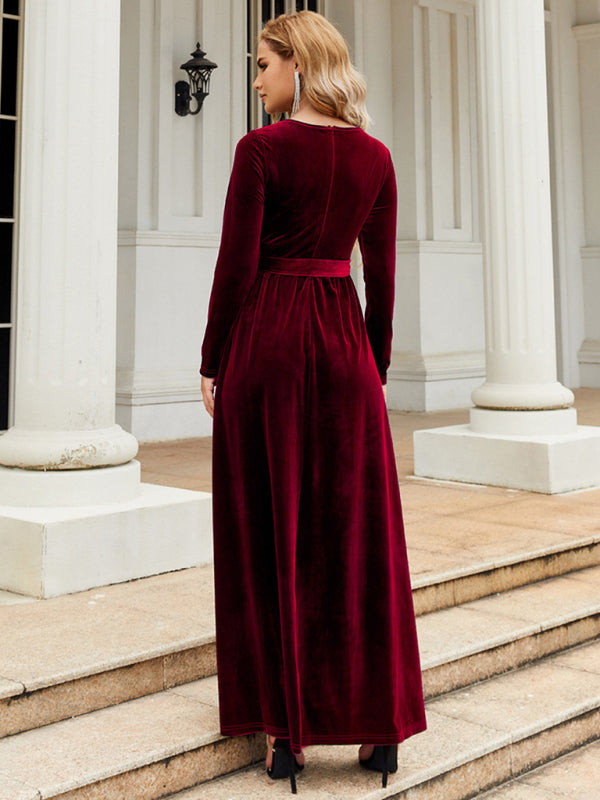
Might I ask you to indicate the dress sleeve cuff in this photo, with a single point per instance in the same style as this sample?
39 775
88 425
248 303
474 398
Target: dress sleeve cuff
208 373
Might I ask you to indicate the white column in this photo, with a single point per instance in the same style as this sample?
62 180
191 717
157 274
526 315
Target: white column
67 250
516 219
522 434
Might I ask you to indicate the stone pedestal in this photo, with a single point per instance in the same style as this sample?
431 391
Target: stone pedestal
65 457
53 551
523 433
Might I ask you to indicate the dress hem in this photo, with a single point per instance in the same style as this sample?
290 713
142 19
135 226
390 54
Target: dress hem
315 739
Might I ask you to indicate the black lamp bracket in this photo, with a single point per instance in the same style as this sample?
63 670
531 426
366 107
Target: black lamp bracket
199 69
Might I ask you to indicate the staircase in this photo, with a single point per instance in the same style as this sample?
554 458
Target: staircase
111 693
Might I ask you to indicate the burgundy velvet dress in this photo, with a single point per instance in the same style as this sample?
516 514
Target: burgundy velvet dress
316 637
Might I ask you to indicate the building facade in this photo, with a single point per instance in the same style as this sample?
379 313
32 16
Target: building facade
421 66
112 203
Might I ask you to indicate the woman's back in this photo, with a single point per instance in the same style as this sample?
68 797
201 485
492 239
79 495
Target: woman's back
303 191
320 185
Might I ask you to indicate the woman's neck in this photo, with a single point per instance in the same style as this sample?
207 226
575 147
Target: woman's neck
308 113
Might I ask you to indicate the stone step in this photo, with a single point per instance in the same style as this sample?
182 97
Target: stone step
494 634
73 654
123 645
141 748
476 739
575 776
168 742
507 566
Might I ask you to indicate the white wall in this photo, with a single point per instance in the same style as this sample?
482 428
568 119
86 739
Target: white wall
419 60
438 354
174 173
173 178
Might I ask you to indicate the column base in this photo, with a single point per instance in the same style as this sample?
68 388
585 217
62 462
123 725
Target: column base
521 396
47 552
550 463
74 487
65 449
558 421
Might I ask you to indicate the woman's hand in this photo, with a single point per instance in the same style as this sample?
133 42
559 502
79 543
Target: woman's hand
384 387
207 387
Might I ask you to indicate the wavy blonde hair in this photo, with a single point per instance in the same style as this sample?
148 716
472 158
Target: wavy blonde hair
328 78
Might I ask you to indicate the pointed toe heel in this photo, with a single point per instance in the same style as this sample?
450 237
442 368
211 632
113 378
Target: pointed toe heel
284 763
384 759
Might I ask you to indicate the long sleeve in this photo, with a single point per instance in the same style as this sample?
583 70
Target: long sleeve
377 240
239 251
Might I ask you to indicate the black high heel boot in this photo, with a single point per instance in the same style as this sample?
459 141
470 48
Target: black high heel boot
384 759
284 763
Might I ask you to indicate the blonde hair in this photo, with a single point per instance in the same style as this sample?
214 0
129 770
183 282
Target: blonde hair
330 81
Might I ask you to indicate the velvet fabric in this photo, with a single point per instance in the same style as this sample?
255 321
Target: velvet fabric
316 637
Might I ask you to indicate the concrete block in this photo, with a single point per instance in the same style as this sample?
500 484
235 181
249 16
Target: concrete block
545 463
46 552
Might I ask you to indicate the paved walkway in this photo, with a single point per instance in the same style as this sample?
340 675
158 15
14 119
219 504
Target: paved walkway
449 526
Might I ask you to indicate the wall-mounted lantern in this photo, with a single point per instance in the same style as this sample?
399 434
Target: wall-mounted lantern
199 69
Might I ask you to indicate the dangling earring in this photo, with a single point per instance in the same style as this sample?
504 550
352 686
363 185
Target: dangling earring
296 102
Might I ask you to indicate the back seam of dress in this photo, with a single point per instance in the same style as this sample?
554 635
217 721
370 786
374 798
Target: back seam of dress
328 194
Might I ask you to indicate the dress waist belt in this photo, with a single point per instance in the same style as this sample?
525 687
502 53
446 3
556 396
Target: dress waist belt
321 267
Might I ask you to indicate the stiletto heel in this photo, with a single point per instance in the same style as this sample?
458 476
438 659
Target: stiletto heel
384 759
284 763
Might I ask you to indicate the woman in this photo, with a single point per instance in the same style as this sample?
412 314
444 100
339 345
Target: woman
316 640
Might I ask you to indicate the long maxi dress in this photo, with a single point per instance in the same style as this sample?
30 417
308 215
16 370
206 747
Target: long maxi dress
315 626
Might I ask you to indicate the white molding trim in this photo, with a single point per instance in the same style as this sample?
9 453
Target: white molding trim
586 32
145 387
437 367
590 252
413 246
451 6
133 238
589 353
